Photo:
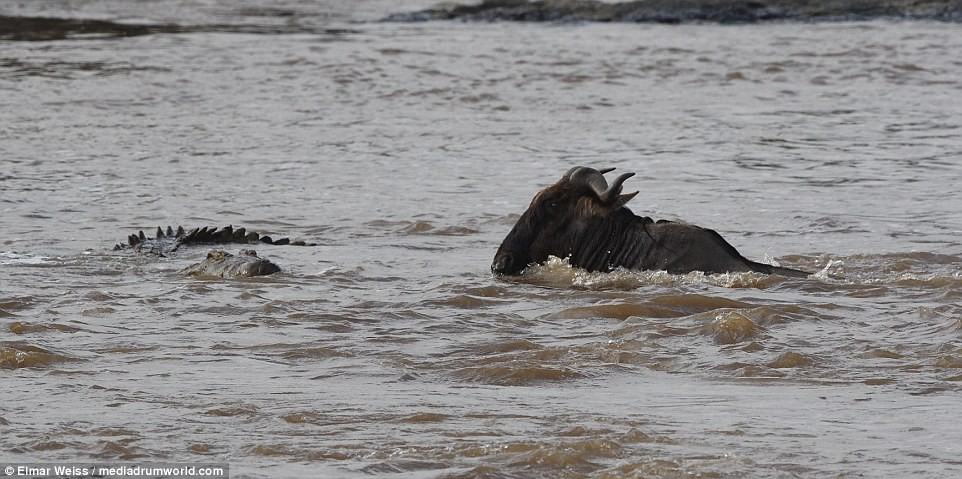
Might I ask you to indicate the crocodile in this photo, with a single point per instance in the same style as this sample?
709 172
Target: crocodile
218 263
221 263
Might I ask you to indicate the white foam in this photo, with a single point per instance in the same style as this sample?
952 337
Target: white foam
559 272
10 257
832 267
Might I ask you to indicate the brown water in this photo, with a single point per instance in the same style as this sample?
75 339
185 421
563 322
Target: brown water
406 152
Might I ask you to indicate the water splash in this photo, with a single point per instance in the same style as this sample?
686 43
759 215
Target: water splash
559 272
13 258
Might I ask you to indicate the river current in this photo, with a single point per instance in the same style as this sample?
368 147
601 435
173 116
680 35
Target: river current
406 151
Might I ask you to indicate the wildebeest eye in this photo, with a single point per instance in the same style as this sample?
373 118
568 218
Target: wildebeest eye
551 202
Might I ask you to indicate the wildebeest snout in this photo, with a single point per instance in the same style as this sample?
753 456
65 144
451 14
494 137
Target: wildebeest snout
504 263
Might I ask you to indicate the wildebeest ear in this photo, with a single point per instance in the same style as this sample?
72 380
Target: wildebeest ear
622 200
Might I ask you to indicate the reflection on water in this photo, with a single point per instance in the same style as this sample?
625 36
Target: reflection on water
406 153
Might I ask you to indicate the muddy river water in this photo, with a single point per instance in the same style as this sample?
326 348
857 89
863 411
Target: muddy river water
406 151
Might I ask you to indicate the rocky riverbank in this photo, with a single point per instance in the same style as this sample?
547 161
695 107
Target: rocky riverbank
24 28
690 11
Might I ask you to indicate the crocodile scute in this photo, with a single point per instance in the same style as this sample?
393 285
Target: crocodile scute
164 242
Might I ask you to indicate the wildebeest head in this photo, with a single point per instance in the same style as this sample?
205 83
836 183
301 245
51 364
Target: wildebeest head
558 217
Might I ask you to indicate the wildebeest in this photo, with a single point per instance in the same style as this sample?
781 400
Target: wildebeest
584 219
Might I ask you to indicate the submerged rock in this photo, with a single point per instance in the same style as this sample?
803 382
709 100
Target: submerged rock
221 263
690 11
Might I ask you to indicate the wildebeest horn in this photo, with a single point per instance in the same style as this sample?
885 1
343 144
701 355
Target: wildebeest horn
590 178
613 191
576 168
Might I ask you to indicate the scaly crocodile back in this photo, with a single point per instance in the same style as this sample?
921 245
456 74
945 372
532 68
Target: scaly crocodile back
164 242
